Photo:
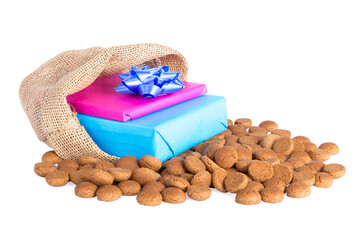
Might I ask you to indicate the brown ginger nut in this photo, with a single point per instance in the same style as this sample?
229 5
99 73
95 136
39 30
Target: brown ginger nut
175 166
265 154
319 155
84 160
281 157
248 140
269 125
221 135
194 164
202 178
248 147
281 132
226 157
174 181
229 122
210 165
254 148
231 139
67 169
148 197
173 195
144 175
244 153
269 140
69 163
259 135
187 176
296 162
201 147
43 168
255 186
81 175
188 152
298 190
104 165
248 197
164 172
304 177
225 133
235 181
129 187
272 195
182 155
211 149
301 154
330 147
257 129
283 172
273 161
150 162
57 179
249 178
231 170
101 177
241 133
335 170
275 182
165 163
246 122
307 169
87 166
51 157
243 165
298 145
155 186
128 162
218 178
218 141
260 171
108 193
284 145
323 180
163 179
289 165
309 146
317 165
236 128
234 145
196 154
85 190
198 193
302 139
120 174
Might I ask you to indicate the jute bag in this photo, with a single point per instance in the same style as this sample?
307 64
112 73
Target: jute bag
43 93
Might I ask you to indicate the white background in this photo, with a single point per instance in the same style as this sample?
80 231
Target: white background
294 62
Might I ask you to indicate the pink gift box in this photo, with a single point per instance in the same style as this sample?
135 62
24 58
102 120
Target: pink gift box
101 100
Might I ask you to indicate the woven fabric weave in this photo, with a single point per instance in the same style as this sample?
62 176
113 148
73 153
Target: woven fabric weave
43 93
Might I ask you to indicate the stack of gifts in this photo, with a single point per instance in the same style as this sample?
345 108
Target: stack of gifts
148 111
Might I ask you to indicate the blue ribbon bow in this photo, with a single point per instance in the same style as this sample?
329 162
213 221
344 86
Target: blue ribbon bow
149 82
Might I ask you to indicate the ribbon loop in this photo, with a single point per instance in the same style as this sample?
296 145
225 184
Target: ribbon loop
149 82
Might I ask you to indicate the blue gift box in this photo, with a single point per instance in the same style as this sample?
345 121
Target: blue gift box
163 134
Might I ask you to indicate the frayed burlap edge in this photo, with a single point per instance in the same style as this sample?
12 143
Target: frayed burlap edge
43 93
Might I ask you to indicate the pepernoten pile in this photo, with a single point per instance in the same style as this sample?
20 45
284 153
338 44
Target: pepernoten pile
257 163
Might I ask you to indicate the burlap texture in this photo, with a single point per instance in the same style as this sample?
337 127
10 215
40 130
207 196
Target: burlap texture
43 93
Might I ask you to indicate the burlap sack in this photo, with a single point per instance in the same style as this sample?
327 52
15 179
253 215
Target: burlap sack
43 93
